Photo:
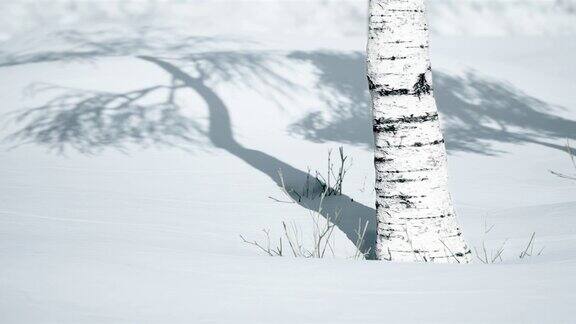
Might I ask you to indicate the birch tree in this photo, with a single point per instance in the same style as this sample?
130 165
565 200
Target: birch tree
416 219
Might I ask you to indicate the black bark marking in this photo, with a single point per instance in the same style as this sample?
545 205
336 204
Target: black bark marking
403 180
403 171
382 160
419 251
371 85
421 86
408 119
430 217
417 144
406 10
460 254
397 42
404 199
385 129
393 92
393 58
420 144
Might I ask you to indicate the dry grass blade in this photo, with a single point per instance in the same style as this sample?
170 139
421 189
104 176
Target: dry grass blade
529 247
451 253
570 151
267 249
361 234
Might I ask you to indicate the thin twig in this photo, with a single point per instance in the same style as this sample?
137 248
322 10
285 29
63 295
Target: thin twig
451 253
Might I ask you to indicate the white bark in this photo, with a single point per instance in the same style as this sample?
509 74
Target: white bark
416 219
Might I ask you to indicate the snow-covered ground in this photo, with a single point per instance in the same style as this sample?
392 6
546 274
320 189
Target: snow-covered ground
139 140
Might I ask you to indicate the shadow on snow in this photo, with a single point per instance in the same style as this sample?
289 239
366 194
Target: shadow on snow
476 112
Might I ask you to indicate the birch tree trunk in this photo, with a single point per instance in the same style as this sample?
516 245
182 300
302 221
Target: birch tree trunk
416 219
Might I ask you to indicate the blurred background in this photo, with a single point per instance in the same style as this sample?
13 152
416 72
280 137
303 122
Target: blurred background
317 18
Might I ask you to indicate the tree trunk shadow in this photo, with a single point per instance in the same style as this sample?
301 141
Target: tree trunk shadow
221 135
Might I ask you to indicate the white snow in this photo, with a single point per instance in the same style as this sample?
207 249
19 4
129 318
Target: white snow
138 220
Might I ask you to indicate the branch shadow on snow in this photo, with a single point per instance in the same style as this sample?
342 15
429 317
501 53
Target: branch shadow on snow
89 121
221 135
476 112
92 121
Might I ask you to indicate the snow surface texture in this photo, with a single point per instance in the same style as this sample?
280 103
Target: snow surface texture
139 140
